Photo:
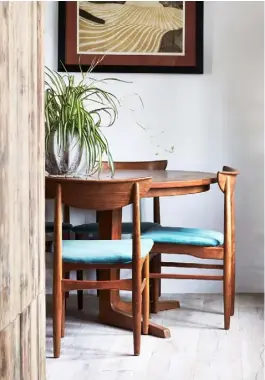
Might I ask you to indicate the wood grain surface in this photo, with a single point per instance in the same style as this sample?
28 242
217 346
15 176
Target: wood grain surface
22 258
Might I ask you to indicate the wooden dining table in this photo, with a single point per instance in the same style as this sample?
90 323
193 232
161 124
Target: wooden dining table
112 310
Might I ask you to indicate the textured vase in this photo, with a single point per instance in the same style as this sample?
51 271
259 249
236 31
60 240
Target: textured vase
68 161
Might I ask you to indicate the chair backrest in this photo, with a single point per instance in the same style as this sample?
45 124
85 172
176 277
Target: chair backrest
138 165
98 194
50 188
142 165
227 181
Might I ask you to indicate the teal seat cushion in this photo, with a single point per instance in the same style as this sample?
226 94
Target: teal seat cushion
182 235
127 228
49 227
102 251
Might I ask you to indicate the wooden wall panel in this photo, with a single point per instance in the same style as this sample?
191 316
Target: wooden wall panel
22 245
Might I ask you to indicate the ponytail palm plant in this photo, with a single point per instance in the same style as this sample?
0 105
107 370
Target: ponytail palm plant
75 111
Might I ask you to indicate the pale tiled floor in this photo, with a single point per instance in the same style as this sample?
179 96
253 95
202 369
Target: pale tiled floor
199 348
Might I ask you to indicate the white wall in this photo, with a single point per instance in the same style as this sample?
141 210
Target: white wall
212 120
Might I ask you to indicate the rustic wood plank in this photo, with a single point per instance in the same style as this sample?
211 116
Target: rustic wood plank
23 149
12 179
5 363
4 162
22 254
31 337
34 340
33 153
10 351
41 336
25 344
40 143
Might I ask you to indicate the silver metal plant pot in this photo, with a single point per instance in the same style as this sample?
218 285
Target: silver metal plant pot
68 161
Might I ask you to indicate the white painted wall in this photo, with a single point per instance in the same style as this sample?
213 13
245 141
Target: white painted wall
211 119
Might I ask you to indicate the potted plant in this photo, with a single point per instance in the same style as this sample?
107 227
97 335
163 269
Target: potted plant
75 111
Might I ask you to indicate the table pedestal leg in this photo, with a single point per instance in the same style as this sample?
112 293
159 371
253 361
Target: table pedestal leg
161 305
111 308
158 305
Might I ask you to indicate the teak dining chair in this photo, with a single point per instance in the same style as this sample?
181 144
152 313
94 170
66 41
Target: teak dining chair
101 254
90 230
203 244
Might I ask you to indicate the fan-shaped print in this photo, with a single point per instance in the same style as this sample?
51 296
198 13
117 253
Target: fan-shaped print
133 27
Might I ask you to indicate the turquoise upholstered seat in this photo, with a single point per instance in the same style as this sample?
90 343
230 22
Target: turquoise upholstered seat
102 251
181 235
49 227
91 229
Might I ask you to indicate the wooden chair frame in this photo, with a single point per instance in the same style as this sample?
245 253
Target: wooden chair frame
132 165
101 195
226 252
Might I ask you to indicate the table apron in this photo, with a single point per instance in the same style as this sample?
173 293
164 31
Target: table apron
172 191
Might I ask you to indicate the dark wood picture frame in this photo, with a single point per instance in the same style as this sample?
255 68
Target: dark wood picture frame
190 63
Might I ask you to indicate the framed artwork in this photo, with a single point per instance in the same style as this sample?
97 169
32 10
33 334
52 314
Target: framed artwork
131 36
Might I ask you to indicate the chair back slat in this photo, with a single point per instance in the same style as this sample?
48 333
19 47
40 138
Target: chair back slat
141 165
137 165
99 195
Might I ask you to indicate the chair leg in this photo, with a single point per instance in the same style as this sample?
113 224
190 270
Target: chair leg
98 279
233 285
79 276
151 269
57 318
63 313
67 276
136 309
227 294
154 286
159 271
155 296
146 298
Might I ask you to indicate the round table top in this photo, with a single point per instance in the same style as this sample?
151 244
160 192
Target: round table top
160 178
